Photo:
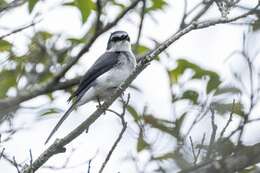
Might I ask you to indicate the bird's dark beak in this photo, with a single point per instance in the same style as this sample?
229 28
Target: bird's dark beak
125 37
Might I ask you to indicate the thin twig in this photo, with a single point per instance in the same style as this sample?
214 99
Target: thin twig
31 157
2 153
185 14
203 11
141 23
99 13
18 30
113 147
11 5
213 134
198 117
229 120
202 143
251 96
16 165
89 165
193 151
124 124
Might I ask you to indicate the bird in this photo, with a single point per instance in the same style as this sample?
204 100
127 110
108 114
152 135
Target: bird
104 76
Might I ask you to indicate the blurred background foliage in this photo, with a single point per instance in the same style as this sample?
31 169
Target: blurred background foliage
200 91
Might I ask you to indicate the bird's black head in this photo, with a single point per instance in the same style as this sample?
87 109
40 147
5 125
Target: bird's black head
118 39
119 36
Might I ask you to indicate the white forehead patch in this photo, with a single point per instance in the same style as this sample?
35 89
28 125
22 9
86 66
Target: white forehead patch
119 34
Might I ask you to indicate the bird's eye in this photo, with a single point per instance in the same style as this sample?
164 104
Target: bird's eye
119 38
125 37
115 38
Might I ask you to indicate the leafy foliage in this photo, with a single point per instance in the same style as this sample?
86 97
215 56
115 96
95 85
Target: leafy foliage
2 3
133 113
191 95
169 127
5 46
31 4
227 90
48 52
7 80
156 5
223 108
256 24
199 73
141 143
84 6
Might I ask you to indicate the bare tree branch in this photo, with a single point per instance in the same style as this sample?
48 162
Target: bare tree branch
19 29
59 144
246 156
13 4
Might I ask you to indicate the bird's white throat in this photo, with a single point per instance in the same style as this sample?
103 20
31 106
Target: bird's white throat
120 46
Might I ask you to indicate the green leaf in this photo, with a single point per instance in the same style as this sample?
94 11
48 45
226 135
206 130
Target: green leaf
49 111
256 24
223 108
199 73
133 112
45 35
5 45
159 4
227 90
176 156
2 3
190 95
45 77
213 82
141 49
69 4
165 156
7 80
162 125
141 143
156 5
121 5
77 40
31 4
85 7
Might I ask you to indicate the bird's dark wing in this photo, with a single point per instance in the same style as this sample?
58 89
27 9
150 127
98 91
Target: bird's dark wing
102 65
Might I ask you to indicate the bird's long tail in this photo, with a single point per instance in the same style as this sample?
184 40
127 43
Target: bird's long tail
67 113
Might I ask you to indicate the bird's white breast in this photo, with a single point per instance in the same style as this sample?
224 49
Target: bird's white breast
119 73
